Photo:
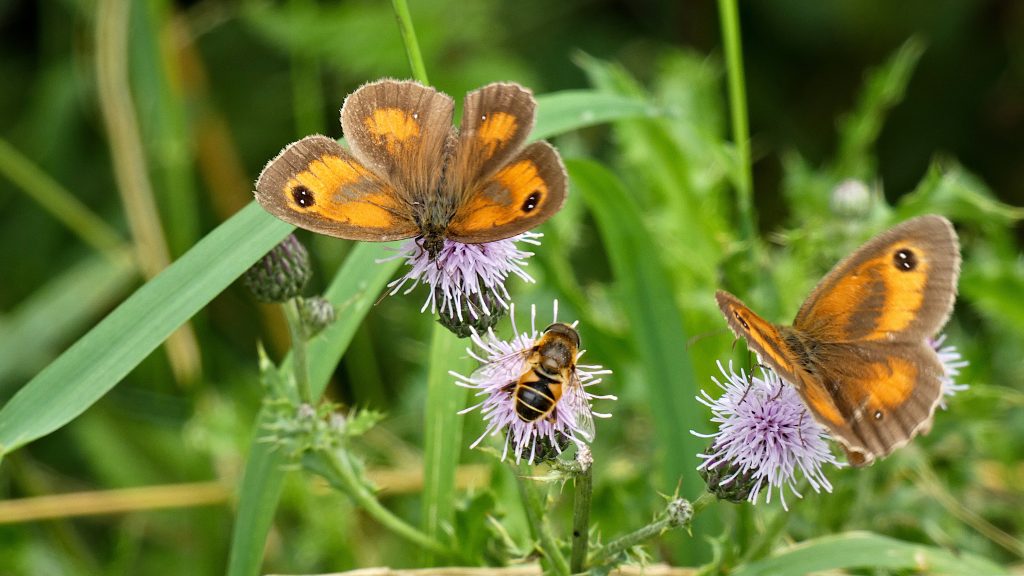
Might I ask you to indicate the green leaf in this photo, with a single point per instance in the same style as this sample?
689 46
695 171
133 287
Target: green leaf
37 330
867 550
443 434
883 90
560 112
353 292
101 358
659 337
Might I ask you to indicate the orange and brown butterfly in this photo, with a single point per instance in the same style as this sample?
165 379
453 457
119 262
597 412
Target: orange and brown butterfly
408 173
857 351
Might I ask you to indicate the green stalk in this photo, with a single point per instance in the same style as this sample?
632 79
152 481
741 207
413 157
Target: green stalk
412 47
666 522
307 96
539 527
298 334
442 434
738 112
581 520
342 475
59 202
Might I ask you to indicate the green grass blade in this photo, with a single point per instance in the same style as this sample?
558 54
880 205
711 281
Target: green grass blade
36 331
659 338
560 112
100 359
353 292
866 550
57 200
443 434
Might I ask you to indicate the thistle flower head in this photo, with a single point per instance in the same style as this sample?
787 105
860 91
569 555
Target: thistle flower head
504 363
952 362
466 281
765 436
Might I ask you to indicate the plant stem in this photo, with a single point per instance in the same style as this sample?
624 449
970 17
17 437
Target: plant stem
538 525
667 521
412 47
730 21
581 520
343 477
298 334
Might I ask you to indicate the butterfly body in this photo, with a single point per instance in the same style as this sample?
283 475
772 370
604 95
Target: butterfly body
857 351
409 173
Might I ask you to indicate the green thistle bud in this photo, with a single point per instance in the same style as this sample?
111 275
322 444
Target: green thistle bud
317 314
281 274
721 483
473 314
679 512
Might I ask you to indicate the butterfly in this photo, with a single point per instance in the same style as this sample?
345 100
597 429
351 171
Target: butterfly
857 351
408 173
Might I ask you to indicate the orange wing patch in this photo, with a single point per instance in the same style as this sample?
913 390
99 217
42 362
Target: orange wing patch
904 291
821 405
392 127
515 191
889 384
496 131
341 190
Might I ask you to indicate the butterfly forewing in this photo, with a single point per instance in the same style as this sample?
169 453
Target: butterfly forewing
401 130
496 120
317 185
900 286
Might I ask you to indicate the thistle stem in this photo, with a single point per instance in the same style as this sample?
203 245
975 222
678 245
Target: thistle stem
667 521
539 527
298 335
342 475
730 21
581 520
412 47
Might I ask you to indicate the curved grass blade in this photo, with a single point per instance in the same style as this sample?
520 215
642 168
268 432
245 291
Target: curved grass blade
560 112
659 337
867 550
101 358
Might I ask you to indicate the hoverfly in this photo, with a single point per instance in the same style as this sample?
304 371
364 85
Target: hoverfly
550 377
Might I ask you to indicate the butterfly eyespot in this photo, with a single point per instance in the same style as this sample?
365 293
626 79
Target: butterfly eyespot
905 259
531 202
303 196
415 115
483 117
878 414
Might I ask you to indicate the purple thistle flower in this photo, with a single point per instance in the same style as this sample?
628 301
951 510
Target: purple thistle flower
464 275
503 362
765 434
952 362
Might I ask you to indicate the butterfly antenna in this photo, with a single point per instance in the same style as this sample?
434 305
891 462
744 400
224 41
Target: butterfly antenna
694 339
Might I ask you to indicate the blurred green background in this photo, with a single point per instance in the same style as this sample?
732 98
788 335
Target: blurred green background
922 101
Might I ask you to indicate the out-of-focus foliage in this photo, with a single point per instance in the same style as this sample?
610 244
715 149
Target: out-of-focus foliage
922 104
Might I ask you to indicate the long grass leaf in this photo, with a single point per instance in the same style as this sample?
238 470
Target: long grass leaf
101 358
658 335
866 550
443 434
